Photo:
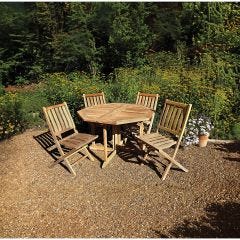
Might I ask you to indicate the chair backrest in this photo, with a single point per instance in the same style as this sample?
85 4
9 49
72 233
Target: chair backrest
147 100
150 101
59 119
94 99
174 116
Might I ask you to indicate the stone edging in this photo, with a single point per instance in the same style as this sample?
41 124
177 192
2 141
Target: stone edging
223 141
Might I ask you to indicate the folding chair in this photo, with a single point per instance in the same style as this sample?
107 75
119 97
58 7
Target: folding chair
171 127
146 100
94 99
66 137
150 101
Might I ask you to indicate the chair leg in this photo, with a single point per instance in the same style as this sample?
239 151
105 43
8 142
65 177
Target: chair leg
170 164
172 161
144 158
70 167
89 154
166 171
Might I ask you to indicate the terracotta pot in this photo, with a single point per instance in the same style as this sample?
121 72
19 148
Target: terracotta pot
203 139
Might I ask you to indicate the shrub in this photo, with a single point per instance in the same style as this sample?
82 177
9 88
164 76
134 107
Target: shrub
1 89
59 87
32 103
188 85
235 131
12 117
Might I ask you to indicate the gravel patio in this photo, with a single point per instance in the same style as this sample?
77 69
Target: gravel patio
125 199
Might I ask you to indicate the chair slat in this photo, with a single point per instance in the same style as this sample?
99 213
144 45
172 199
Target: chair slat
68 118
168 118
60 120
52 121
172 118
146 101
176 120
66 124
164 115
95 100
180 123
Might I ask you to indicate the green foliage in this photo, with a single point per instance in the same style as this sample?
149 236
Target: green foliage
129 37
32 103
60 87
77 48
1 89
12 118
165 24
21 81
235 130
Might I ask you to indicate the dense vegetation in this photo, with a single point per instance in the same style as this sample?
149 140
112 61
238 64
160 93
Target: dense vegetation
184 51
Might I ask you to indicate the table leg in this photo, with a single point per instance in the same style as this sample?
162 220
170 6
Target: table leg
114 136
107 158
141 128
93 128
105 142
117 135
141 132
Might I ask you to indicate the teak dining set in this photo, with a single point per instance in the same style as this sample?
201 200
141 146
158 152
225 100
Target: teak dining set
137 117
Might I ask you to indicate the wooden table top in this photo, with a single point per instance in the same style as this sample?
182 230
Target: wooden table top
115 113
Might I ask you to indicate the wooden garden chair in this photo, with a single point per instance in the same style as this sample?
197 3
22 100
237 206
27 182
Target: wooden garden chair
171 127
150 101
94 99
146 100
66 136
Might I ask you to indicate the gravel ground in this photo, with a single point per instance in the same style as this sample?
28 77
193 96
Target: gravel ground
125 199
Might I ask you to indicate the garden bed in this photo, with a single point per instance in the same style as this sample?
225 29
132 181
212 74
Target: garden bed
123 200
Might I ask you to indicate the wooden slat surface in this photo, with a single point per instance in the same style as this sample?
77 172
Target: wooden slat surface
172 117
115 113
94 99
147 100
78 140
157 140
59 118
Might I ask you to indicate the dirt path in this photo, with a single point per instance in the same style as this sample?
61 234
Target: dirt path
122 200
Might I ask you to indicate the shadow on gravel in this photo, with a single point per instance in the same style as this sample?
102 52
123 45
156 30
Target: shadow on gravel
46 141
221 221
230 148
133 154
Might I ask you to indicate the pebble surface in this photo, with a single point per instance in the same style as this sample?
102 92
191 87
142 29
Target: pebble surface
125 199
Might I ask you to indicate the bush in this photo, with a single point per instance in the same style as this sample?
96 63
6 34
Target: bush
32 103
189 85
60 87
2 91
12 117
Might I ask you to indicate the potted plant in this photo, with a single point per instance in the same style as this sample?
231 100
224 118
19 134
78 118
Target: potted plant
204 128
198 131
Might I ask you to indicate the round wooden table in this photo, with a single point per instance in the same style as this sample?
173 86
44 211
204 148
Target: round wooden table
114 114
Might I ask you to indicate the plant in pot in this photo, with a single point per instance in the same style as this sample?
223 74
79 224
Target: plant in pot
204 128
198 131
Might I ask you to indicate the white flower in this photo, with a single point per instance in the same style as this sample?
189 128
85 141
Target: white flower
195 127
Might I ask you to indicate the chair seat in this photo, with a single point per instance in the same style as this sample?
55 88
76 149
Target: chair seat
78 140
157 141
